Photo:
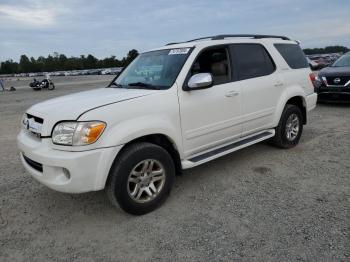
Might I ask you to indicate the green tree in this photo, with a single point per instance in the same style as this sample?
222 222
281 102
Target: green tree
61 62
25 65
91 62
9 67
131 56
326 50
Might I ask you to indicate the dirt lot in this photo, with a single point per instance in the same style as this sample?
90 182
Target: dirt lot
258 204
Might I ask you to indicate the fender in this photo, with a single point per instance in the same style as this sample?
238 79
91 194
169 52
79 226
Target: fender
132 119
289 92
129 130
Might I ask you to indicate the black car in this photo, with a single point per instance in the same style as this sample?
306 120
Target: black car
333 83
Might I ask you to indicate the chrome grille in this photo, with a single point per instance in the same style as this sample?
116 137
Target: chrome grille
338 80
33 124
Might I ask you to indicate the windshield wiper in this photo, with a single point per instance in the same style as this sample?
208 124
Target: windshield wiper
145 85
116 85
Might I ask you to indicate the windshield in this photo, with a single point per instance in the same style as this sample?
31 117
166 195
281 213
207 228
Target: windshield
153 70
342 61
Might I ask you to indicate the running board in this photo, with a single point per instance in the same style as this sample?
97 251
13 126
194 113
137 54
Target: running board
226 149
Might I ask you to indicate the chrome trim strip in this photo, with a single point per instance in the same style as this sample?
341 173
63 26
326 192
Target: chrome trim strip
343 93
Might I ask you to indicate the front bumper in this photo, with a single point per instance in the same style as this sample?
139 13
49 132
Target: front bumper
333 94
65 171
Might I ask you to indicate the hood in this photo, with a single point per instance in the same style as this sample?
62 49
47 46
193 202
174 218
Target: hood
71 107
335 71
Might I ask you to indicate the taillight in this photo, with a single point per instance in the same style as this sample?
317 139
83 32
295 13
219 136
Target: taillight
313 79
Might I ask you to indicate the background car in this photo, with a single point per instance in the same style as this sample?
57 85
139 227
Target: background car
333 83
313 64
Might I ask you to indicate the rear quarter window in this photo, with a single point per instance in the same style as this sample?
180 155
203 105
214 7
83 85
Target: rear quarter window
293 55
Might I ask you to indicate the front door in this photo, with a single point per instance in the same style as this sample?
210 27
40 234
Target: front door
212 116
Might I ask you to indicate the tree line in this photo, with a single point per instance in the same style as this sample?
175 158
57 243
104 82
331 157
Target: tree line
60 62
326 50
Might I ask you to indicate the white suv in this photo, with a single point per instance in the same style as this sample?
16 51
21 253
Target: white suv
172 108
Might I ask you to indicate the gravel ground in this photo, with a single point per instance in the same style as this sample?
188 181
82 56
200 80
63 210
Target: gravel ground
258 204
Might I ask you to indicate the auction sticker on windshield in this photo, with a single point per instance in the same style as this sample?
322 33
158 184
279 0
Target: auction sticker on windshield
179 51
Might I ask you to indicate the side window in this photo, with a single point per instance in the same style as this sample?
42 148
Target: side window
293 55
251 60
216 62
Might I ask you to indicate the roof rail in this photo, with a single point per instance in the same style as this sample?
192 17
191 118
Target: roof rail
221 37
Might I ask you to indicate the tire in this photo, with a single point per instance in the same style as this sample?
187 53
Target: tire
283 138
127 172
51 86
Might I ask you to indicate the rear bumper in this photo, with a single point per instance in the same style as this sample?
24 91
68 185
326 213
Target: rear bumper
65 171
311 101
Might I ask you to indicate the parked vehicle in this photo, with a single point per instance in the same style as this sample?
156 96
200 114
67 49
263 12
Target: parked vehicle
313 65
75 73
172 108
111 71
43 84
106 71
94 71
319 60
333 83
115 71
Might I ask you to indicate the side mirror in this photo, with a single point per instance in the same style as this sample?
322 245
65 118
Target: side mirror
200 81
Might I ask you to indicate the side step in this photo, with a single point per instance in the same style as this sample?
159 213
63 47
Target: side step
227 148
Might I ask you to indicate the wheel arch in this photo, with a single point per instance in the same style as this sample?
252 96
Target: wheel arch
159 139
300 102
296 98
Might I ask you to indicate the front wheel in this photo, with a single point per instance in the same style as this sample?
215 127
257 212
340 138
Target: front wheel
141 178
290 128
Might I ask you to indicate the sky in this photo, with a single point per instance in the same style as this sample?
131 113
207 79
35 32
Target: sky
113 27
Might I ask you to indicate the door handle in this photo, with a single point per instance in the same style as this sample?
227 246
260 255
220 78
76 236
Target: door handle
232 93
278 84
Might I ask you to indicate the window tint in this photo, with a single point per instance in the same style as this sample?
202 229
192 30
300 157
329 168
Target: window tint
214 61
251 60
293 55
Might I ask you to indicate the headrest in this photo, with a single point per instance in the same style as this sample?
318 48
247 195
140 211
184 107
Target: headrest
218 57
219 69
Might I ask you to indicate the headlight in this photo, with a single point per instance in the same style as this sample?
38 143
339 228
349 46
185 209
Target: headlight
24 120
77 133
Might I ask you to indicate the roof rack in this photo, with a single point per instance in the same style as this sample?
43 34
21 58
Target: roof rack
221 37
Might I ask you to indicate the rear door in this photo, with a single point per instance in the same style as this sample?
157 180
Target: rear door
261 86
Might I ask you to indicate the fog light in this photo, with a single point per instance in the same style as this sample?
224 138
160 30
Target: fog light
66 173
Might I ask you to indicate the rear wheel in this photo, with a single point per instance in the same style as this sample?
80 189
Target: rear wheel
51 86
290 127
141 178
